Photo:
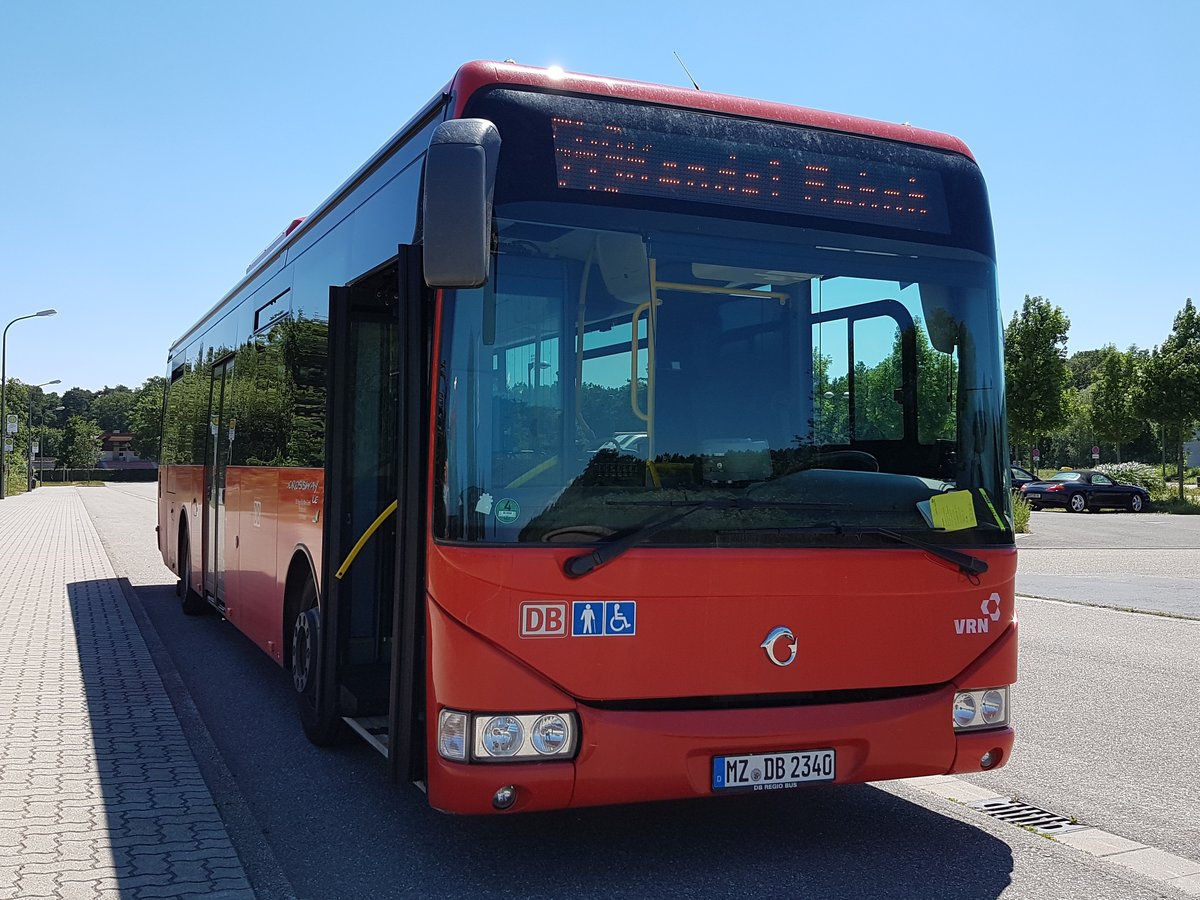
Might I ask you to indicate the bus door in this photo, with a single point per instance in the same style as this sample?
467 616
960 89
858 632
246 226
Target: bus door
373 477
221 431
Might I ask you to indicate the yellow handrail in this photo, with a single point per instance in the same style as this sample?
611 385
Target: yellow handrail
366 536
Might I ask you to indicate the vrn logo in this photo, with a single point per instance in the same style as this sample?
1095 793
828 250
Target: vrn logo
991 613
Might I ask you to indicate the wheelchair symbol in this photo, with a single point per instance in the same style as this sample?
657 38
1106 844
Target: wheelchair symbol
620 617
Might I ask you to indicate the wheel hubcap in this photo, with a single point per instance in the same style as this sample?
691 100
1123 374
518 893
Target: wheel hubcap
301 653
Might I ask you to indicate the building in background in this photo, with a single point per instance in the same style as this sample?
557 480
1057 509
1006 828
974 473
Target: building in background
116 452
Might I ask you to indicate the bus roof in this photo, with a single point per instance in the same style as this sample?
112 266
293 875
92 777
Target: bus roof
473 76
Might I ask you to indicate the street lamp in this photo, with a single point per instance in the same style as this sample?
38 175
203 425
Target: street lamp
29 421
4 388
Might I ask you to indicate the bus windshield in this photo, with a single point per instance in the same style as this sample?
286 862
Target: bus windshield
605 373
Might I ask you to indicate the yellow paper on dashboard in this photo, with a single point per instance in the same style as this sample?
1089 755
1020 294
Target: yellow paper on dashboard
953 511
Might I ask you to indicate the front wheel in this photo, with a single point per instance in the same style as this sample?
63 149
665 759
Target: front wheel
1077 503
1136 503
322 727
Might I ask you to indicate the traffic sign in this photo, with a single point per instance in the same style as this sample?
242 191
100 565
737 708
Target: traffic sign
1095 453
11 423
1037 454
8 445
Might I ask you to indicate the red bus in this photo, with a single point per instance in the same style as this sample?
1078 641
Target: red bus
601 442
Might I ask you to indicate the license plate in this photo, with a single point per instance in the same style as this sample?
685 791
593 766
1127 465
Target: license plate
772 771
1032 494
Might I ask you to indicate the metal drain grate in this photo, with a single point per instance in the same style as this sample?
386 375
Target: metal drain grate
1027 816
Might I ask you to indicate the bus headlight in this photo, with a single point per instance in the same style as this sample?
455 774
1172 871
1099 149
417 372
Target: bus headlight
550 734
980 709
501 736
507 737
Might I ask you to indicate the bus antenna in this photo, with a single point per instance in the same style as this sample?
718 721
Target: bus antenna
686 72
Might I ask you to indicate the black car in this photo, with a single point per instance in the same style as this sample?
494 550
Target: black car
1020 477
1085 489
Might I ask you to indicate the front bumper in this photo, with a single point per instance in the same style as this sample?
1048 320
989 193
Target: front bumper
633 756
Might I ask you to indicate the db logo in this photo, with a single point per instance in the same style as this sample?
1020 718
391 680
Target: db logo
543 620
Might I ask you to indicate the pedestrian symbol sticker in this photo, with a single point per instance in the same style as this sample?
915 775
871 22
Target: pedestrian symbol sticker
609 618
507 511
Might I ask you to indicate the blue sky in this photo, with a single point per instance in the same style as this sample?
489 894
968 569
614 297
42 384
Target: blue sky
151 149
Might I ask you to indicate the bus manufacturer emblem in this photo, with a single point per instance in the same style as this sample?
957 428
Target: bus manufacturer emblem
771 645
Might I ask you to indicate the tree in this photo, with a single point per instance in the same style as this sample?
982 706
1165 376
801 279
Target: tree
1084 366
78 402
1115 418
81 443
145 417
111 408
1035 369
16 400
1168 390
1070 441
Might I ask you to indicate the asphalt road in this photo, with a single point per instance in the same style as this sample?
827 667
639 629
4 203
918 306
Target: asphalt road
1104 708
1148 561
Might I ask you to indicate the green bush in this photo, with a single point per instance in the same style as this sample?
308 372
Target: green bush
1141 474
1020 509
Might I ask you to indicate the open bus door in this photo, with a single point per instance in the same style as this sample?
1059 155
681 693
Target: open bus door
373 561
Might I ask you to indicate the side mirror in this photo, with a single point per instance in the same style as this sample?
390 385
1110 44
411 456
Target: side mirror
460 177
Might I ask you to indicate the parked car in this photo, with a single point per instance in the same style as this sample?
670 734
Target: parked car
1020 477
1085 489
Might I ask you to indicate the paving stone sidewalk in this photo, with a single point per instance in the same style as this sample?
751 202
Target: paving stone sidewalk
100 795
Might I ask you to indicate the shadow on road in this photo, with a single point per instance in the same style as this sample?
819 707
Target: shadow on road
338 828
157 814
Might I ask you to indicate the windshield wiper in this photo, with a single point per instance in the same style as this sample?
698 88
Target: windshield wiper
578 566
971 566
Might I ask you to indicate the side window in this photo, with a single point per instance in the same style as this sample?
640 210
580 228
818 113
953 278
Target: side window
606 418
831 382
259 403
860 364
172 415
305 345
878 415
1100 479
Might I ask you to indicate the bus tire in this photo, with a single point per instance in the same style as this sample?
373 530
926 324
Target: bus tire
190 602
322 727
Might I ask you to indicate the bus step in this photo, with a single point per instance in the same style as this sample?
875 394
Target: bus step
374 730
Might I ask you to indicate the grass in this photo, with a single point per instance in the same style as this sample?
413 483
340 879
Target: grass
1020 508
1175 506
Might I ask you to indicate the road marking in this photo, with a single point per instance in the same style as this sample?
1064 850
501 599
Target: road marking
1120 610
1158 865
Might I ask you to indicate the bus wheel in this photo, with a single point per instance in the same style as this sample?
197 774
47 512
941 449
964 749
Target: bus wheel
321 727
190 602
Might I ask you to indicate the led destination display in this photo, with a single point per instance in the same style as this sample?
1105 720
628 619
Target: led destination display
616 159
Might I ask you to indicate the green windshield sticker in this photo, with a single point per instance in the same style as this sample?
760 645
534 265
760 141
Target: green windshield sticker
508 511
988 502
954 511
